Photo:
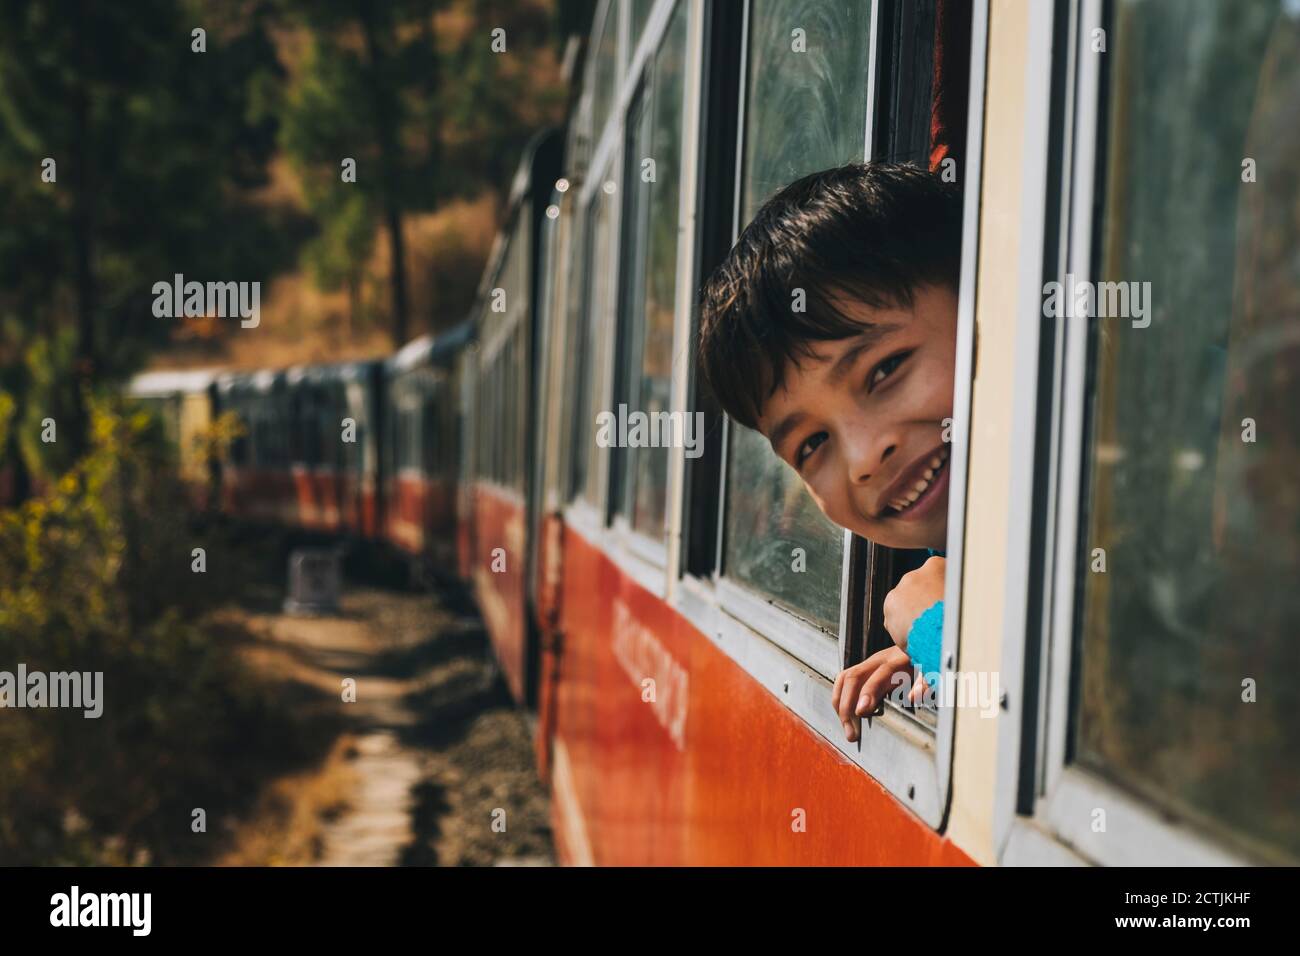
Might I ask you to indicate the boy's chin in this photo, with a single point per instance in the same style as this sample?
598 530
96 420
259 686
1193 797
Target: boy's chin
896 534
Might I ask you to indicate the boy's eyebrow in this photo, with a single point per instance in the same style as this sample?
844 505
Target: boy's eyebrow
788 424
868 340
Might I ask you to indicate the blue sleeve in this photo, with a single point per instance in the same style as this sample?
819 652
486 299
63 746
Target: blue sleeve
925 640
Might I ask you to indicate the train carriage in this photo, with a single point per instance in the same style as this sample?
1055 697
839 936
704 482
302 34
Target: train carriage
691 612
502 503
422 449
308 455
182 402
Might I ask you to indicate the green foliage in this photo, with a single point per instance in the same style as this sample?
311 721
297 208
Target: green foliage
95 575
45 371
498 101
156 149
427 118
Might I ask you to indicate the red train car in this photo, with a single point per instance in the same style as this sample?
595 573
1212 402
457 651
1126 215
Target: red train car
422 450
501 495
678 613
308 457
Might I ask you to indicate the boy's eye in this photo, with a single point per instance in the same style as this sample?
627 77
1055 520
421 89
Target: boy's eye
807 448
886 369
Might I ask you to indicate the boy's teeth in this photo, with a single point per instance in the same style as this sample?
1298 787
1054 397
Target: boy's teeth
909 497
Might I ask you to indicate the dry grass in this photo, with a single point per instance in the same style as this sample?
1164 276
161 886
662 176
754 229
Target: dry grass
300 324
286 828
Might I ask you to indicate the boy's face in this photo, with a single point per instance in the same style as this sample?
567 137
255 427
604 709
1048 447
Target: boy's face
862 421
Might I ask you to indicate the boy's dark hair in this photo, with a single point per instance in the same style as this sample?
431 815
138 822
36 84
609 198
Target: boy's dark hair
874 232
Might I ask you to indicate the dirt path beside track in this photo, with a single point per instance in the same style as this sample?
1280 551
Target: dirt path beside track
433 759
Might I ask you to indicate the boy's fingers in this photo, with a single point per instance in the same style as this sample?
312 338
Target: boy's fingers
876 687
848 701
849 696
878 684
835 692
918 691
867 700
863 702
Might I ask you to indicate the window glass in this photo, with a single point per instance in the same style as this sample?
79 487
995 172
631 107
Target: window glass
1190 555
505 363
605 71
653 177
640 13
804 111
577 361
602 277
519 398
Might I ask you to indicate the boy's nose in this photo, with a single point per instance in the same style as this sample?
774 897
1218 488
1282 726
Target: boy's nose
867 458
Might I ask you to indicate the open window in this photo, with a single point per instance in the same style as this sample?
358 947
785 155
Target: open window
825 83
921 120
817 83
805 106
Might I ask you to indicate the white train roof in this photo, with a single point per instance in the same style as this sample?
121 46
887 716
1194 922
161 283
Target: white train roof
162 383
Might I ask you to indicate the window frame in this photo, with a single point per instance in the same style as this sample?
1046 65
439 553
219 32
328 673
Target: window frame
1043 812
640 107
648 561
790 656
783 626
580 512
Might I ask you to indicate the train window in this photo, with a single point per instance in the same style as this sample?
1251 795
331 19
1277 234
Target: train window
518 408
640 14
491 432
1186 563
410 452
430 433
605 76
501 428
511 393
498 426
483 412
602 267
803 112
653 174
496 423
518 397
493 424
576 358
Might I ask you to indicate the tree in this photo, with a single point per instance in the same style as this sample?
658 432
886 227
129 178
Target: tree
371 87
363 93
135 123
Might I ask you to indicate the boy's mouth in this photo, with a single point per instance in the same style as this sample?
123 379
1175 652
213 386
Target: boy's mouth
917 490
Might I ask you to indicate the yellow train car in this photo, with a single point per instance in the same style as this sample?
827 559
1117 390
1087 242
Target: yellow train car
182 400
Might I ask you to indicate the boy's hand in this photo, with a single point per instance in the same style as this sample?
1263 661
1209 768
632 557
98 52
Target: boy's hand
860 689
914 594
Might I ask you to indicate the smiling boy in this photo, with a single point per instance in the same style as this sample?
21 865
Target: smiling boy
831 329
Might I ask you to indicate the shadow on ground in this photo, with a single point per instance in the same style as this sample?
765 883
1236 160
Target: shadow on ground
440 759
